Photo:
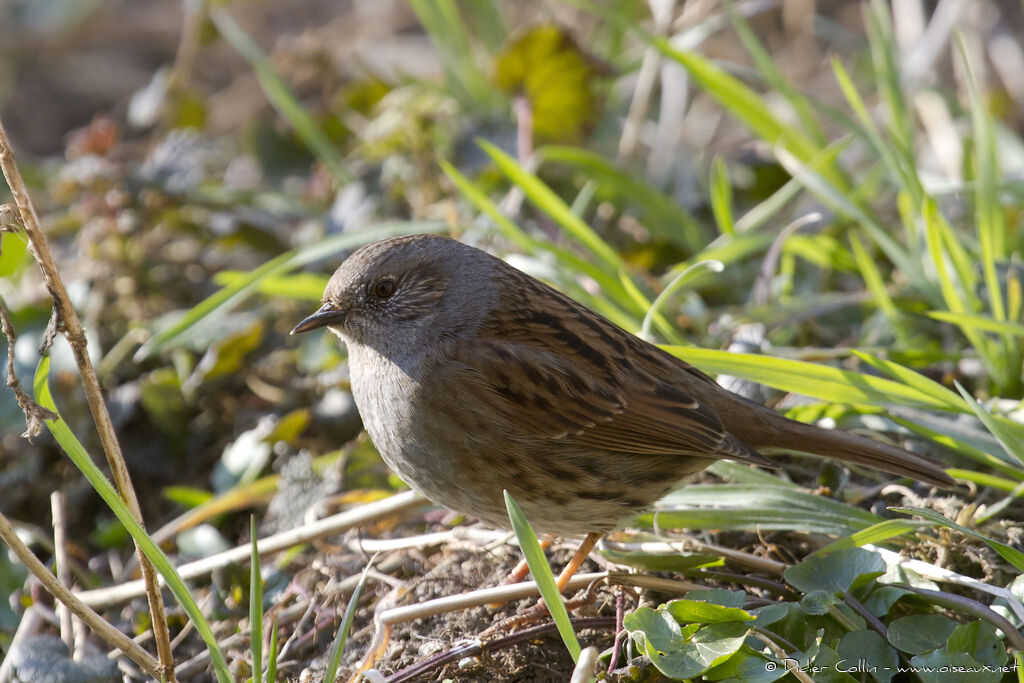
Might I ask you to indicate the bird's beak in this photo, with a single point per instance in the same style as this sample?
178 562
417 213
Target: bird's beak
328 314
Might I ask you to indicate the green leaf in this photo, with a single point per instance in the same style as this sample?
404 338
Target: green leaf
818 602
13 247
747 666
750 108
163 401
662 215
450 35
718 596
912 379
867 652
980 640
920 633
228 355
1011 555
837 572
979 322
686 611
558 80
673 562
682 653
301 286
1007 438
541 572
186 496
939 666
876 533
757 506
341 638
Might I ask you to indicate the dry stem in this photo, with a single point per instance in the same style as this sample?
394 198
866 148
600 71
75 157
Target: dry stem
75 335
83 612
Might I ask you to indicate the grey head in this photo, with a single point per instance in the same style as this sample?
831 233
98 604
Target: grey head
404 295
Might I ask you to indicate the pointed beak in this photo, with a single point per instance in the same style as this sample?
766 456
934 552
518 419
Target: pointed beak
328 314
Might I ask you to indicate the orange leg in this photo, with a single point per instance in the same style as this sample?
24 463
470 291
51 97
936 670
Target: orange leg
577 559
539 610
522 569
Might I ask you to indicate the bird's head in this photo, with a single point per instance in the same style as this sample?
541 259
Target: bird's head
402 293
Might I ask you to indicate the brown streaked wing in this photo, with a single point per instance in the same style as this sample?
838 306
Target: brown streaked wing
567 375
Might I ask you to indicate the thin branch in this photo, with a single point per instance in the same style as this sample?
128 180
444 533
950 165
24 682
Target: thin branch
75 335
60 555
35 414
476 647
82 611
105 597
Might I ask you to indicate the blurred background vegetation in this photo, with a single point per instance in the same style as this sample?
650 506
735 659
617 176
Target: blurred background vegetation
853 170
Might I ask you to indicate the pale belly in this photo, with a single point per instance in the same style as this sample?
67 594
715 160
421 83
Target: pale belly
449 454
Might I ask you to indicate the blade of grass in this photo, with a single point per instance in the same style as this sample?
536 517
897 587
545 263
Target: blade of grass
876 285
751 109
1007 438
450 36
1011 555
546 200
609 284
541 572
338 646
912 379
955 293
255 606
531 245
83 461
774 77
979 322
899 124
664 216
876 533
902 169
997 461
272 653
822 382
721 197
842 202
281 97
675 285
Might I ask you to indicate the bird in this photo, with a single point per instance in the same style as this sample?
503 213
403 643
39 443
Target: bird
473 378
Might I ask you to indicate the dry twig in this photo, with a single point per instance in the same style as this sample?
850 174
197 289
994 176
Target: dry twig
75 334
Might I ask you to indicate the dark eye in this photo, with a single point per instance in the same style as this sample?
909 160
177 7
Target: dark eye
384 288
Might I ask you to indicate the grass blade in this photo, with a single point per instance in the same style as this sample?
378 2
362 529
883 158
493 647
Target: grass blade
83 461
822 382
1011 555
541 572
281 97
338 646
255 607
546 200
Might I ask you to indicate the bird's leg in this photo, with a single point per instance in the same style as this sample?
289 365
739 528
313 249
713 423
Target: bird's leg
540 609
522 569
577 560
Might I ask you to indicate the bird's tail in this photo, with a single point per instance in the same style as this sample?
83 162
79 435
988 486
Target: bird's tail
771 430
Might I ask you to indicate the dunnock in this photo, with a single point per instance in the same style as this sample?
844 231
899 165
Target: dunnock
472 377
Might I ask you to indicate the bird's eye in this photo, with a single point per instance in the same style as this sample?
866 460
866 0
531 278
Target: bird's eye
384 288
